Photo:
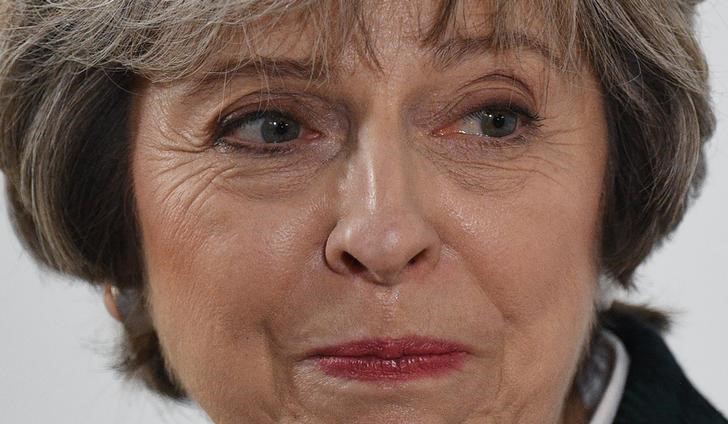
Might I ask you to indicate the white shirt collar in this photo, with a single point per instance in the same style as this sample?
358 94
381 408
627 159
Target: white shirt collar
606 409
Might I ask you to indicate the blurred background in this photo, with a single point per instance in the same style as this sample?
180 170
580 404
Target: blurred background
56 338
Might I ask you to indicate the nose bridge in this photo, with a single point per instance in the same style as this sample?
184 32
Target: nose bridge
378 171
382 229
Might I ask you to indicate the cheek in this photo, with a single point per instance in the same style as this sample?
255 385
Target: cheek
537 258
547 252
221 268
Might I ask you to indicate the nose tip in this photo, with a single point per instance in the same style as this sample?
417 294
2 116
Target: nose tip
381 249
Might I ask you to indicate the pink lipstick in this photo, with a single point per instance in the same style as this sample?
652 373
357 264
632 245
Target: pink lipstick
390 359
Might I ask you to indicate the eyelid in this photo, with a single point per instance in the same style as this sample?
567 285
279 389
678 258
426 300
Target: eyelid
301 108
245 113
526 115
489 90
258 149
522 112
237 120
515 84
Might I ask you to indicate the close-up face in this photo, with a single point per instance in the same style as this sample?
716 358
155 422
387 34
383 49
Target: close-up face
410 236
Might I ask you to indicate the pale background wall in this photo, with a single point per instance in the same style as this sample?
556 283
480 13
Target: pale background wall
55 335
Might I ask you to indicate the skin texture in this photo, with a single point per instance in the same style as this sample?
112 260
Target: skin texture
382 220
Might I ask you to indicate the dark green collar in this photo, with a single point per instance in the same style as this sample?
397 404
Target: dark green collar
657 391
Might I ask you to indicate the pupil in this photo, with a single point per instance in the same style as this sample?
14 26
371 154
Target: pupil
277 129
498 124
281 127
499 121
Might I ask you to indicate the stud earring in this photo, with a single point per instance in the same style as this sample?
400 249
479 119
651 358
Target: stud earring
118 303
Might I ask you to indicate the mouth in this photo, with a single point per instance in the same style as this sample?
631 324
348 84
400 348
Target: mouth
388 359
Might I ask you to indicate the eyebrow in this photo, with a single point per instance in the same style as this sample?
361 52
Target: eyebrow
447 54
259 67
456 50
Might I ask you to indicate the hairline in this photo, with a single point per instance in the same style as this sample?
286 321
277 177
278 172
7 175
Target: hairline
443 56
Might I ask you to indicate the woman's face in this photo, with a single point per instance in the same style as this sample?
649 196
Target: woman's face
442 209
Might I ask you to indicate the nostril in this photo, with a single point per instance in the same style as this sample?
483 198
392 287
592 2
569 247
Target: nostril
416 258
352 263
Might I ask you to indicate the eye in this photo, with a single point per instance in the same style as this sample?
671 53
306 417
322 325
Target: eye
494 123
266 127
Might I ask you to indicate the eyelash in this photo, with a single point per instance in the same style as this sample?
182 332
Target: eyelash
518 110
235 120
530 121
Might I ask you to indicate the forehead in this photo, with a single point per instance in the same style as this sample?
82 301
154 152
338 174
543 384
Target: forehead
322 34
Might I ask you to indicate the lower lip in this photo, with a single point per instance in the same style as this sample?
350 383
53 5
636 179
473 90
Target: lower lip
371 368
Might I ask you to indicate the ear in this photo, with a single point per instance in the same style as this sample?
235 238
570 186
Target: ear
111 294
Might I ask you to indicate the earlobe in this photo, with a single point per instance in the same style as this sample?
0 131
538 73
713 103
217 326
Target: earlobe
111 295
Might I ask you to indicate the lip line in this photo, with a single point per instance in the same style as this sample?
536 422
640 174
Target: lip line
391 348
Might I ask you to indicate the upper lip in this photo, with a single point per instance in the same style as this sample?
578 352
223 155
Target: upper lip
389 348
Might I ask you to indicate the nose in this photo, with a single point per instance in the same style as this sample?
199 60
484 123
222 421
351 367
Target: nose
382 234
